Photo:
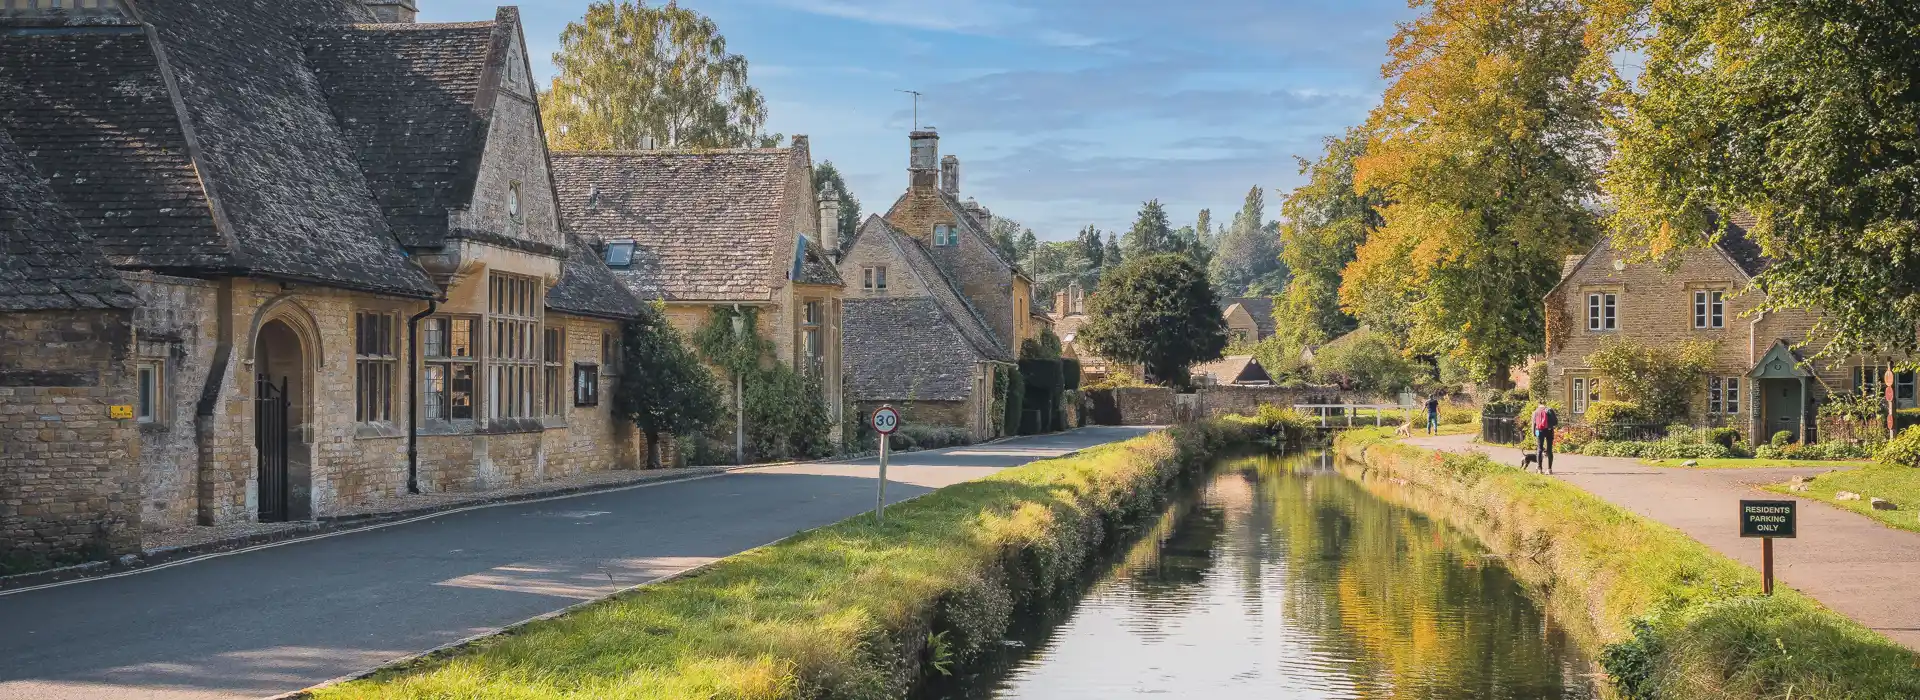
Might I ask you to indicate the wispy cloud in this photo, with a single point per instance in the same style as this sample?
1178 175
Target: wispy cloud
944 16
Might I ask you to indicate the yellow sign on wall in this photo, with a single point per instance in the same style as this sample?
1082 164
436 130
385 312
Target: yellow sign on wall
120 411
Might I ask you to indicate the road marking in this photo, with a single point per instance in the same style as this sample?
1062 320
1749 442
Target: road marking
368 528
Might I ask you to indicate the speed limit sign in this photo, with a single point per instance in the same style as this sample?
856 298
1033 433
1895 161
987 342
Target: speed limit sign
886 420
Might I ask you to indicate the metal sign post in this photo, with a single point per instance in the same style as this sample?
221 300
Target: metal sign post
885 421
1767 520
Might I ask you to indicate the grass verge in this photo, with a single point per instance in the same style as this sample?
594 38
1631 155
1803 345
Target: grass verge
845 611
1899 485
1676 619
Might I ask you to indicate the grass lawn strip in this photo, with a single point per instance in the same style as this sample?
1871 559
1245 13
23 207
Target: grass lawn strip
1896 484
845 611
1677 619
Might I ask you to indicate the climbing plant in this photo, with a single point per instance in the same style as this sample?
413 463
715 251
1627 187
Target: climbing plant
786 410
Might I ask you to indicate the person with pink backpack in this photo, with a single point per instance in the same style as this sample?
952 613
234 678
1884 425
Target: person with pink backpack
1545 419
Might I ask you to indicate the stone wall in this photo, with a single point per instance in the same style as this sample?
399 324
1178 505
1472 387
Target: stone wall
982 277
1132 406
68 477
176 327
515 152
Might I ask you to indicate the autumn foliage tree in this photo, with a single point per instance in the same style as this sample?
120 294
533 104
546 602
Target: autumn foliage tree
630 76
1802 114
1326 220
1485 148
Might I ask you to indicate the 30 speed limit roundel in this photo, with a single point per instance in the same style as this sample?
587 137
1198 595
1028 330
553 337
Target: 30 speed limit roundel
886 420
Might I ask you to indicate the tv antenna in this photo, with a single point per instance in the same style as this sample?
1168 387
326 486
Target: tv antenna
916 105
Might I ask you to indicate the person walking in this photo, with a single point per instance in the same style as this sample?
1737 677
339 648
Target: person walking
1433 414
1545 419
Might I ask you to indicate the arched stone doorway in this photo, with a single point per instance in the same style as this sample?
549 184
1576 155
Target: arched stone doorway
283 474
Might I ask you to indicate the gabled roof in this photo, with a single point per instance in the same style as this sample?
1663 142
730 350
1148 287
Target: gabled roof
588 288
812 266
216 149
414 102
46 259
1260 308
961 314
708 225
1733 243
1234 369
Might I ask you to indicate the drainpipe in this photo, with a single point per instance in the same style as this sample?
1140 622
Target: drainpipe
1756 423
739 396
413 396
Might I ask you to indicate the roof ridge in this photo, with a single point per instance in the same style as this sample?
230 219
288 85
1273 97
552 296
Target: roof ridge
409 26
616 153
980 324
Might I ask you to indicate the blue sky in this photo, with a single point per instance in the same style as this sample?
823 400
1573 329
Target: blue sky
1064 112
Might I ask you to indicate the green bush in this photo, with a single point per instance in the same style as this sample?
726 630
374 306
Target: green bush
1781 439
1832 450
1663 449
1015 403
1903 450
915 436
1600 412
1070 374
1662 379
1457 416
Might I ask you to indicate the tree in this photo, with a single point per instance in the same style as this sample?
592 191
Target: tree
1326 221
1486 146
1801 114
1005 234
1027 243
663 388
1151 232
1111 257
1156 310
1091 247
1203 229
1661 380
1249 250
823 174
1366 360
631 76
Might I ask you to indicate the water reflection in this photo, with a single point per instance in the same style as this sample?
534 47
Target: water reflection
1282 578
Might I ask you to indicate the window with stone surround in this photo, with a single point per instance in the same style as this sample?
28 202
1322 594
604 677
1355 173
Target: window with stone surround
1585 390
586 384
943 235
148 409
375 361
812 334
554 354
513 352
1723 395
449 345
1709 309
873 278
1603 311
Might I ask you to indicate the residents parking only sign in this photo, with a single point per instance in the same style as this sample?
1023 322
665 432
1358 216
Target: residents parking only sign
1770 519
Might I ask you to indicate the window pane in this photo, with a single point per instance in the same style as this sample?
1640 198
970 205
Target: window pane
460 392
434 381
147 392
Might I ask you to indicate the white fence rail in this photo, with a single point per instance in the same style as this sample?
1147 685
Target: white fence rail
1379 410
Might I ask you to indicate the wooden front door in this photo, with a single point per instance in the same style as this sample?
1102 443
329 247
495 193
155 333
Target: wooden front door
1782 404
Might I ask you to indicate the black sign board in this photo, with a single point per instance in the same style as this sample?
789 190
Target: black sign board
1767 519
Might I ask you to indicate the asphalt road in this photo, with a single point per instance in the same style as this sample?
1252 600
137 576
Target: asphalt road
281 618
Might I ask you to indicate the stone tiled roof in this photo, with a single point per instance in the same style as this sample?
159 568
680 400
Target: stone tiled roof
588 288
707 225
1740 247
273 158
1234 369
92 109
408 98
46 259
932 362
816 267
1260 308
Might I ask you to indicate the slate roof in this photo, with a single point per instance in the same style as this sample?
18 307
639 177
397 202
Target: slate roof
816 267
46 259
224 159
588 288
1740 247
1234 369
930 362
708 225
408 99
91 108
1260 308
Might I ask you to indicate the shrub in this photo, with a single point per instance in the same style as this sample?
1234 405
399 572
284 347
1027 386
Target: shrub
1506 403
1661 379
1663 449
1457 416
1538 387
1365 360
1572 438
1834 450
1903 450
1600 412
915 436
1781 439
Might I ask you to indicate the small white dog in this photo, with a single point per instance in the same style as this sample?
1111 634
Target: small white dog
1405 430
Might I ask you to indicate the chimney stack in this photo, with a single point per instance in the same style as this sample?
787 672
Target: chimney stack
1076 299
393 11
1060 303
950 175
830 218
923 168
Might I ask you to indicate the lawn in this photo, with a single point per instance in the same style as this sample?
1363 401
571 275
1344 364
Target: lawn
1901 485
1738 463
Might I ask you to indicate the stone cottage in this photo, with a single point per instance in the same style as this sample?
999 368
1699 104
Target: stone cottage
353 281
69 484
1249 319
928 245
734 228
1759 382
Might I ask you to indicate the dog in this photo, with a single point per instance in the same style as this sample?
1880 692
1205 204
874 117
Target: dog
1405 430
1531 460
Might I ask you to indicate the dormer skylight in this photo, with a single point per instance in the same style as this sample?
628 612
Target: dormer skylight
620 254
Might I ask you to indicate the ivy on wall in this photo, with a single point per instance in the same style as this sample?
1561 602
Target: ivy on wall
786 410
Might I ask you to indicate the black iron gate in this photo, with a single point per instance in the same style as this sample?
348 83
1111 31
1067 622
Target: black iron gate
270 446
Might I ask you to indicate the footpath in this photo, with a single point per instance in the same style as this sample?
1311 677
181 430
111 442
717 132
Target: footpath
1851 564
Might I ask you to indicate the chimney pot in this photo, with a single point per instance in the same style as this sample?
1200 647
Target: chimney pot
830 218
923 166
393 11
950 175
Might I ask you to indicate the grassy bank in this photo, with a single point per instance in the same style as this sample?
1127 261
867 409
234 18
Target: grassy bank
846 611
1751 463
1675 619
1897 484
